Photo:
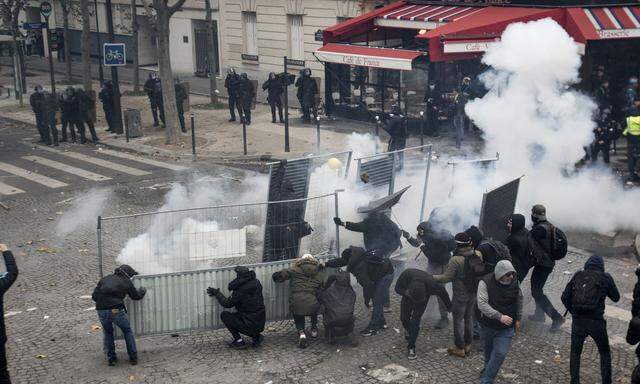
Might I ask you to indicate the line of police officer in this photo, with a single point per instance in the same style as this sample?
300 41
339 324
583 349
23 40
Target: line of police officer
153 88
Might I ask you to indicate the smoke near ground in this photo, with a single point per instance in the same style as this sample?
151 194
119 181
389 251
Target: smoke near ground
84 212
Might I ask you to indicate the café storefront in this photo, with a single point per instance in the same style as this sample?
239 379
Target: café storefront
390 55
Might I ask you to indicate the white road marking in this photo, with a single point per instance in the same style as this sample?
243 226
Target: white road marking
99 162
129 156
6 189
37 178
67 168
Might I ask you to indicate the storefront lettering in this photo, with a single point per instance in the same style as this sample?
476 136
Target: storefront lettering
361 61
476 47
618 33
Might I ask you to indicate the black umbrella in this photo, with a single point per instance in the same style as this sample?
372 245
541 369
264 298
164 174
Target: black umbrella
384 203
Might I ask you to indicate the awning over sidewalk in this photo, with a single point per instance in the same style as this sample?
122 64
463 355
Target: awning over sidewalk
586 24
472 35
358 25
428 17
368 56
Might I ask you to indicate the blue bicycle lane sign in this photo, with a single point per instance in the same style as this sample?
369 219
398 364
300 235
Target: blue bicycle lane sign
114 54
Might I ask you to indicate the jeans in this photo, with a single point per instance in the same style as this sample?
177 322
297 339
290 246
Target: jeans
496 345
380 295
410 316
463 309
4 373
539 278
597 329
299 320
435 269
107 318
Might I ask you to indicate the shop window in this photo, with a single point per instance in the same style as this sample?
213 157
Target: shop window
249 21
296 37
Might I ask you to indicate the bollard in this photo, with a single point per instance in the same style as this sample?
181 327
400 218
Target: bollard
193 137
244 135
422 130
318 132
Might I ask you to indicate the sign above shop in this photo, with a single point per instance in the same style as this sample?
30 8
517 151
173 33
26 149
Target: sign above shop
246 57
295 63
368 56
469 46
542 3
318 35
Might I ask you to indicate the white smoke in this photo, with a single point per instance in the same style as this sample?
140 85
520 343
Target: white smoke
87 207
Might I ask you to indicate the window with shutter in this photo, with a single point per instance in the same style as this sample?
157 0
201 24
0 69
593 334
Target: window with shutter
249 20
296 37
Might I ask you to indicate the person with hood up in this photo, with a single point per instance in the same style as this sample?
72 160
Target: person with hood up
39 108
633 332
305 278
584 297
338 300
436 245
232 83
109 296
541 238
375 274
149 88
499 313
274 89
86 110
246 93
6 281
518 245
491 250
307 89
249 316
106 97
464 269
416 287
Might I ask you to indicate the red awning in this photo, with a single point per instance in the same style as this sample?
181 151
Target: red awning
586 24
358 25
469 37
367 56
415 16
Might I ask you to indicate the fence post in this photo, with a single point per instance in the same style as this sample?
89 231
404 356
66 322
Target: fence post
193 137
244 135
335 194
100 271
377 131
422 131
346 171
393 174
426 182
317 131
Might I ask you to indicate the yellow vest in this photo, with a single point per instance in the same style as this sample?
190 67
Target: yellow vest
633 126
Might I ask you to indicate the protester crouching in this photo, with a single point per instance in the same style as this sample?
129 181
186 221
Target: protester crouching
338 301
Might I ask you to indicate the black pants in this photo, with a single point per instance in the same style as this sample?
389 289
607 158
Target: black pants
161 111
633 151
539 278
597 329
233 105
597 148
108 115
237 324
92 130
275 105
4 373
154 111
67 123
299 320
180 110
43 130
306 112
52 130
410 316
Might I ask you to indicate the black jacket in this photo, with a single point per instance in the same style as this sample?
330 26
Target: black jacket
70 107
307 89
365 267
339 301
518 245
595 264
181 93
274 90
5 283
111 291
437 245
378 232
37 101
85 105
149 87
540 243
246 298
633 332
231 82
413 276
246 91
396 127
106 97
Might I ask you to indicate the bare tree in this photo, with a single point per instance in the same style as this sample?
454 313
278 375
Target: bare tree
9 11
66 6
213 88
134 47
86 45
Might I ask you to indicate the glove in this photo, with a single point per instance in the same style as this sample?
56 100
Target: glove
142 290
277 276
283 162
212 291
405 234
338 221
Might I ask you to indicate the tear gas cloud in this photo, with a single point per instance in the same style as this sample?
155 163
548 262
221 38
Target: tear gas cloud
84 212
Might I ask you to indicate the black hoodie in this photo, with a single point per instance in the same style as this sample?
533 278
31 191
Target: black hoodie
246 298
437 245
111 290
517 242
594 266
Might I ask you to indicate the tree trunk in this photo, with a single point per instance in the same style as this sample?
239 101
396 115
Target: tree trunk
166 76
86 45
65 38
134 47
213 88
17 70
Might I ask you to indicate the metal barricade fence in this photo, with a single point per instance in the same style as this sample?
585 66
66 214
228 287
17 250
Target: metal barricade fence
178 302
219 236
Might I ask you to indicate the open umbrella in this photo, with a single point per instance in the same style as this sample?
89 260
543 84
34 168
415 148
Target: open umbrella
383 203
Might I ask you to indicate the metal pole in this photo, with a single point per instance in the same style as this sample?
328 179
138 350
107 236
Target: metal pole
424 188
422 130
244 135
126 132
317 131
193 137
393 174
51 74
346 171
100 247
286 107
100 71
377 131
117 121
335 194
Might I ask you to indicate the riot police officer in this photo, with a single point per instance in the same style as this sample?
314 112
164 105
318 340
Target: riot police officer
274 88
149 88
181 96
86 105
308 89
157 95
51 106
245 99
37 101
69 108
232 83
106 96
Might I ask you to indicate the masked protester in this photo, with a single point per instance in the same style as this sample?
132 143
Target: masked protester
584 297
51 104
246 298
109 296
274 88
518 245
181 96
86 105
106 97
338 300
246 93
149 88
69 113
38 105
416 287
396 126
6 281
232 82
307 89
499 313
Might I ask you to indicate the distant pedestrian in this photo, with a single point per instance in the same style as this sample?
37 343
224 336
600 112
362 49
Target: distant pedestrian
39 43
338 300
86 109
106 97
38 106
232 83
29 40
149 88
109 296
500 312
633 332
518 245
584 297
416 287
274 88
306 278
181 97
6 281
246 298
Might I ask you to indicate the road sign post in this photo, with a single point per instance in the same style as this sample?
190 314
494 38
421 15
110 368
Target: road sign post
114 54
45 11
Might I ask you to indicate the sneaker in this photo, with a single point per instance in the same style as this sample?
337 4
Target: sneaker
556 324
133 361
257 340
443 323
456 352
411 355
112 362
314 332
238 344
232 119
368 332
467 349
302 341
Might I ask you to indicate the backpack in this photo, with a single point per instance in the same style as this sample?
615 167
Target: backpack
472 271
500 252
559 243
586 292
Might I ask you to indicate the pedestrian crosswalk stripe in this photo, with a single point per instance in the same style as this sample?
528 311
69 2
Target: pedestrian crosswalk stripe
6 189
139 159
67 168
99 162
37 178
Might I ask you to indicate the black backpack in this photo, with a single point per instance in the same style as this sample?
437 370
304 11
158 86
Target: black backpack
586 292
473 270
500 252
559 243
